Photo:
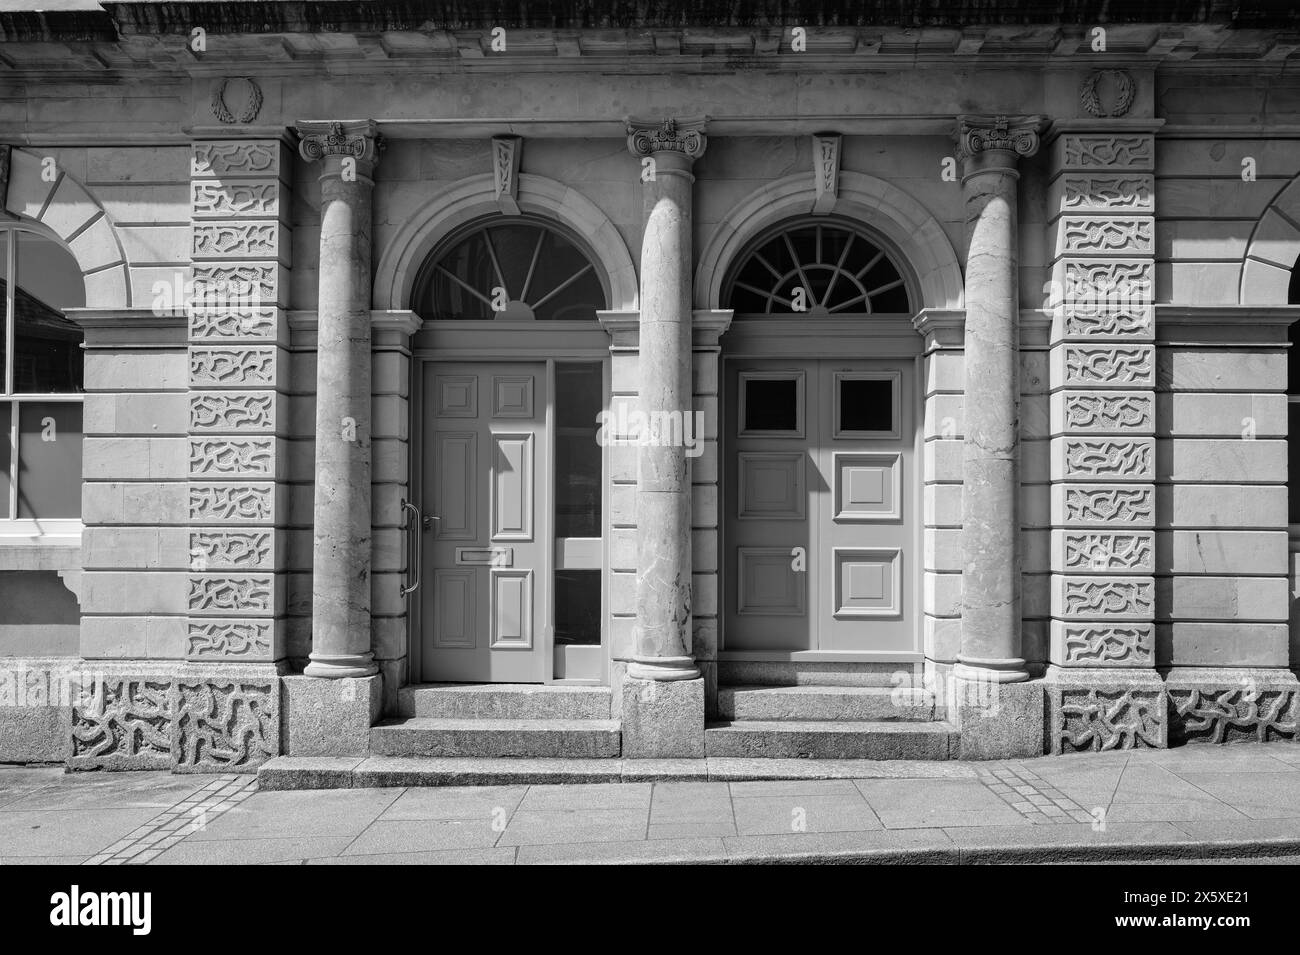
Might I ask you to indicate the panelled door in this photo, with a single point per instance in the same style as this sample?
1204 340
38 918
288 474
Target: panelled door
485 574
820 507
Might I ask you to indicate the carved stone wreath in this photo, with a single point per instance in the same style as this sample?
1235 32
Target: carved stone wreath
252 106
1125 90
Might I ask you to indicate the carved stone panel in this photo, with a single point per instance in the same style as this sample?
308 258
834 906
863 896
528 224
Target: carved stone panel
1125 552
251 284
1106 718
1103 645
242 158
232 457
1233 714
1099 235
254 198
1116 320
225 724
232 411
1103 459
244 594
232 322
1100 412
1108 283
212 366
1131 598
124 724
1116 151
235 639
1109 366
219 548
218 240
1108 193
1075 505
230 503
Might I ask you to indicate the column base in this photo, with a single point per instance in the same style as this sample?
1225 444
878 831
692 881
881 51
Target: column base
1009 670
998 720
662 719
340 666
663 669
330 717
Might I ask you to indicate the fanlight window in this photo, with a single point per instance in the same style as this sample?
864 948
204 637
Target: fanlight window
514 270
817 269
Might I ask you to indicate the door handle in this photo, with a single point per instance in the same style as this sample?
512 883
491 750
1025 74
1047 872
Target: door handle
407 590
427 521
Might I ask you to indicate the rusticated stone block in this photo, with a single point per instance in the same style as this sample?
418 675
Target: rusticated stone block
1100 710
122 720
225 719
999 720
1233 705
330 717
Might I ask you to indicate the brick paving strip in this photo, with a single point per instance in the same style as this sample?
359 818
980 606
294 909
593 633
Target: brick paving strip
1024 791
172 825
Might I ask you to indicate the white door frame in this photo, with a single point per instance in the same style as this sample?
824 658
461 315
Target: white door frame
535 341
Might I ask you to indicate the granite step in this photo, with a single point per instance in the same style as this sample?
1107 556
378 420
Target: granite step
428 736
504 701
826 704
827 739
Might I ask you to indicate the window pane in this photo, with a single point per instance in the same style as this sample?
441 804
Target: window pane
579 399
771 404
4 318
49 460
577 607
1293 461
47 346
866 404
6 454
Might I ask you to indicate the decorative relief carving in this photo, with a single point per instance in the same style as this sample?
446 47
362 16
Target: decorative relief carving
232 366
249 107
1117 645
1100 193
1092 236
1089 597
232 457
227 548
232 411
1099 720
1109 365
125 725
217 159
254 198
1237 713
1129 152
1109 459
1087 411
238 239
230 502
225 726
1108 320
684 136
826 171
1018 135
239 639
1119 505
232 323
1108 283
506 156
5 164
1107 92
223 594
1102 551
248 283
358 140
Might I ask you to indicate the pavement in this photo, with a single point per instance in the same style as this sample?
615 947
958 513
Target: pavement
1229 803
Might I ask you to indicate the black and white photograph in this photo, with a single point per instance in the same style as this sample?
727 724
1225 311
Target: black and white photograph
650 432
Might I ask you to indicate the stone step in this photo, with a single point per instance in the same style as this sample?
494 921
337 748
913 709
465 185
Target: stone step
504 701
823 739
826 703
427 736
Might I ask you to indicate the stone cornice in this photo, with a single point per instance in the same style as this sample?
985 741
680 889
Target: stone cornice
1224 325
131 327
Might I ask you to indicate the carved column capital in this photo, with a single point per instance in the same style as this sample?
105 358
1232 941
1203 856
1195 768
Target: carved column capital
681 136
986 141
325 140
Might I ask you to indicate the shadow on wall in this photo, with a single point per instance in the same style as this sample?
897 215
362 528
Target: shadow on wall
39 616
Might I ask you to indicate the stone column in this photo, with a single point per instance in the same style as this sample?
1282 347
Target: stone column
663 695
990 635
347 152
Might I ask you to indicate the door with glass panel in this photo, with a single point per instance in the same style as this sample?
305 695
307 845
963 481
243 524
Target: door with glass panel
820 507
512 499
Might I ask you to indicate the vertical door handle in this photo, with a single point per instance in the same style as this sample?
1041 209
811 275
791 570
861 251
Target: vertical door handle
407 590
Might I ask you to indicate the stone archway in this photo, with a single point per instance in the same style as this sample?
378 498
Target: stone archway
908 225
1272 250
70 212
473 198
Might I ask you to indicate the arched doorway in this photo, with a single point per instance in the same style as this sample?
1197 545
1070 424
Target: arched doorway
512 376
821 539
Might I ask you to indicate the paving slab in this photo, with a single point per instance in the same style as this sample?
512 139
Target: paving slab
531 827
774 815
420 835
67 831
454 802
343 813
1258 795
251 851
437 857
625 852
595 796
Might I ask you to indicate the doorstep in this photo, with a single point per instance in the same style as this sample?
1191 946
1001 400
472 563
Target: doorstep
358 772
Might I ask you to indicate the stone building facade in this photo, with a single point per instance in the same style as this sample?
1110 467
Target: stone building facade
380 384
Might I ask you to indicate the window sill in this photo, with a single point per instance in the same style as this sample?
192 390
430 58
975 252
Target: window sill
55 546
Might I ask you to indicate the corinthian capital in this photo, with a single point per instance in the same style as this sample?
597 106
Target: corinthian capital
685 136
358 138
982 134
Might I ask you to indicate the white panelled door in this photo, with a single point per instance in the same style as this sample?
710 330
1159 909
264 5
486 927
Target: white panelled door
485 578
